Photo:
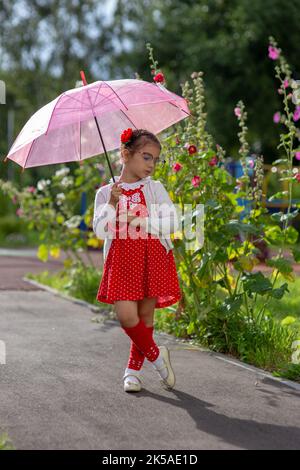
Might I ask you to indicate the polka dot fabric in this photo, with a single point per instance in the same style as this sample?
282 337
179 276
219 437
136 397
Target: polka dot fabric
136 268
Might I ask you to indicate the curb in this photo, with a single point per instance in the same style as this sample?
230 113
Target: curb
260 373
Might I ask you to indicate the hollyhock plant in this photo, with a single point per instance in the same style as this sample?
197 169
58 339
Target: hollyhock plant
297 176
177 167
296 115
213 161
19 212
237 111
196 181
31 189
273 52
192 149
276 117
159 78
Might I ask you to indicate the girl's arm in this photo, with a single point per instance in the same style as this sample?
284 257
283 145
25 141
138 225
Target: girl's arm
103 213
164 219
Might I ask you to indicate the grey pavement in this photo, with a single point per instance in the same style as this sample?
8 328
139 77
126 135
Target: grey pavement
61 388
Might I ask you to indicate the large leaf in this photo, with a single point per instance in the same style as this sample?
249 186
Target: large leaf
256 283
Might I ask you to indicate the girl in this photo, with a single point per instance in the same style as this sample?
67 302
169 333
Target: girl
135 216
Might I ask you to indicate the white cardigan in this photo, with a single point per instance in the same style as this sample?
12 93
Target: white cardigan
162 217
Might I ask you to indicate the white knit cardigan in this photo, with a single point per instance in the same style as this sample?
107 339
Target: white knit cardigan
162 219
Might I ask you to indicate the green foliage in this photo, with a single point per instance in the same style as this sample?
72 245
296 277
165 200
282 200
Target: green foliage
5 442
220 292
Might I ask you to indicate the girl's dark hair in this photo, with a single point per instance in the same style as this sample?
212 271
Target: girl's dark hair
139 138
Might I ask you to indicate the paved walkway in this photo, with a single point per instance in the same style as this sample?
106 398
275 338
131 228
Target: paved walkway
61 388
16 263
61 385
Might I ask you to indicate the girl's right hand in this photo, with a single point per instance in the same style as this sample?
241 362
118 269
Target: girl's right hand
116 192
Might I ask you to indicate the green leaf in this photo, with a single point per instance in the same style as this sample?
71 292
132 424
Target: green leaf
296 254
274 235
256 282
288 320
230 305
278 195
280 291
283 265
234 228
291 235
280 160
42 253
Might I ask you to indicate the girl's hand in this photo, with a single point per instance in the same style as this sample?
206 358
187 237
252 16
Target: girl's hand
116 192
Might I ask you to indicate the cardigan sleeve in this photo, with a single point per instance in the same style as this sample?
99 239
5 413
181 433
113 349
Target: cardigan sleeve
103 213
163 220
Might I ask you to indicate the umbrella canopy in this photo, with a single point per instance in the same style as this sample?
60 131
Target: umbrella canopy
87 121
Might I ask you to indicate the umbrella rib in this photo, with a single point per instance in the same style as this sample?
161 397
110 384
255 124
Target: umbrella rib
97 93
29 152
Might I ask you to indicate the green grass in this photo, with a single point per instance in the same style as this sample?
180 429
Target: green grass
5 443
80 283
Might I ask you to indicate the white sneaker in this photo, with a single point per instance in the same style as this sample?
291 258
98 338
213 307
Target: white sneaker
170 380
130 385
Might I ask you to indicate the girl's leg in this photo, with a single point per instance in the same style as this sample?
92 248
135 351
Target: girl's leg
146 308
135 328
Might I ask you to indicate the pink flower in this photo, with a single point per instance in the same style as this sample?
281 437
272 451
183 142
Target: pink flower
14 200
159 78
31 189
286 83
238 111
177 166
273 52
196 181
296 115
192 149
251 163
186 146
280 91
297 176
297 155
213 161
276 117
19 212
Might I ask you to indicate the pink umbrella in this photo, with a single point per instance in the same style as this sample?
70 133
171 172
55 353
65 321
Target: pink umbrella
87 121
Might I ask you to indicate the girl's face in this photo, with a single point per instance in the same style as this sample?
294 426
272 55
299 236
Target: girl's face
142 162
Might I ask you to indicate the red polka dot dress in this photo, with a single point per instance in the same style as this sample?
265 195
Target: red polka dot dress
138 266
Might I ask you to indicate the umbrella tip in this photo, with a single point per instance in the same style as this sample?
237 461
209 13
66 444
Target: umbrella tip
23 168
82 74
5 159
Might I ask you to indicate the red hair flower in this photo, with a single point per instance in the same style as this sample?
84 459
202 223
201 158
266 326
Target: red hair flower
159 77
126 135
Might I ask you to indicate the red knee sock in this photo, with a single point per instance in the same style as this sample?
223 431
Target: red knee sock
143 340
136 357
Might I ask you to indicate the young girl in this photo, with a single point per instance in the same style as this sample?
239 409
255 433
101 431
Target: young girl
135 216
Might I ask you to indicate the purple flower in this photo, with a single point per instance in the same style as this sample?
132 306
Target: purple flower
296 115
273 52
286 83
276 117
297 155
